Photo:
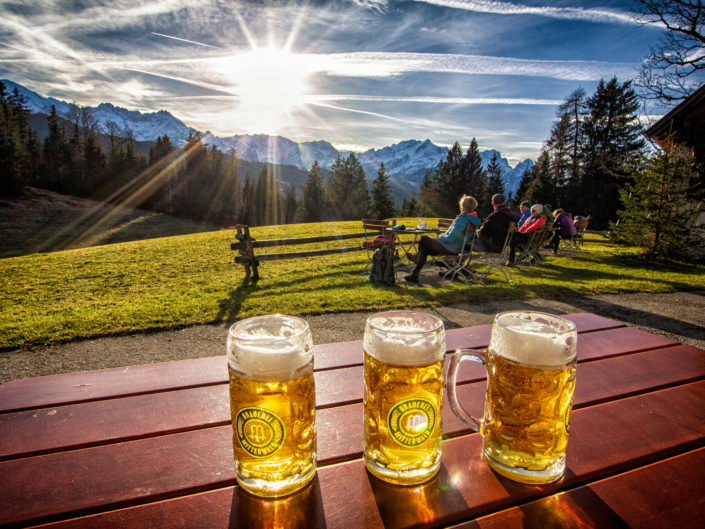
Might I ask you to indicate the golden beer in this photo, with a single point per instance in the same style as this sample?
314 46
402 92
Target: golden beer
403 396
530 364
272 404
527 418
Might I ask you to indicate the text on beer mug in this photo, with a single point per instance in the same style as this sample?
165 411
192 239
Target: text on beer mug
272 404
403 396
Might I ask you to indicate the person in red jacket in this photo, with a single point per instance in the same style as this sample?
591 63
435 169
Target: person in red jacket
521 236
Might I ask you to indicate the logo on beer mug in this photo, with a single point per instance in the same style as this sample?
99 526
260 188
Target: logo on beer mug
411 421
259 431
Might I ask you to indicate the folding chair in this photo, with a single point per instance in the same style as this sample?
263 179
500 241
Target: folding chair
458 263
581 225
376 236
531 251
497 260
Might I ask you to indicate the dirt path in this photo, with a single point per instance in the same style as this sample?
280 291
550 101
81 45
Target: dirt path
679 315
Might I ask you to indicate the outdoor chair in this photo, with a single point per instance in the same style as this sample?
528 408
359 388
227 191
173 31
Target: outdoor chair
497 260
457 264
531 251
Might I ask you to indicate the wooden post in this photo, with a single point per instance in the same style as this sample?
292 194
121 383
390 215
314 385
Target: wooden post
246 255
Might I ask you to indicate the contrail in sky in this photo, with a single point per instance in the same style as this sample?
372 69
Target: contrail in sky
183 40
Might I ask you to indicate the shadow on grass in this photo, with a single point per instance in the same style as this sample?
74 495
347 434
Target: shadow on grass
229 308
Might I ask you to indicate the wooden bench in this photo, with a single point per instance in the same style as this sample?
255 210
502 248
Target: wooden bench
245 244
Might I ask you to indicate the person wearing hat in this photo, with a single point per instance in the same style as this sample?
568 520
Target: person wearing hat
525 209
521 237
494 228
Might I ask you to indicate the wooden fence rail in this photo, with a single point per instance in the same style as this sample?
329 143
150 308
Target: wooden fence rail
246 245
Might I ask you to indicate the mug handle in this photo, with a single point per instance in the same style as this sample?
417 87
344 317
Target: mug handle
455 359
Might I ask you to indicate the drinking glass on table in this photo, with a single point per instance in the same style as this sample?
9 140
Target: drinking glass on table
403 396
530 365
272 404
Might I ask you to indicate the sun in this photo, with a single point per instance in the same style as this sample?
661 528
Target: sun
270 84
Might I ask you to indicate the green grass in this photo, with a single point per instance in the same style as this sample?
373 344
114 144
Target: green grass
184 280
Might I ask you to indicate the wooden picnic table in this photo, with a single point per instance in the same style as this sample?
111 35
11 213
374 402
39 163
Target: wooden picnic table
150 446
409 247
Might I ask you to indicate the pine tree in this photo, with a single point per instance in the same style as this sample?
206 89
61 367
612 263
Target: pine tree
311 204
411 207
475 178
290 204
542 190
613 143
522 192
347 196
382 203
495 185
661 207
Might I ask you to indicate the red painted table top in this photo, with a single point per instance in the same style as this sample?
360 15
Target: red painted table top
150 446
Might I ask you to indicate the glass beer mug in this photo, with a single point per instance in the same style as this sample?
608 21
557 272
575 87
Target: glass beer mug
403 396
272 404
530 365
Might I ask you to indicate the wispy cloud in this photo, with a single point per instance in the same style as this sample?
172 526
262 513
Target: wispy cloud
374 64
438 100
508 8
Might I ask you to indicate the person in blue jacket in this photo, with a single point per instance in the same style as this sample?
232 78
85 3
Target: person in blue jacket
451 242
525 209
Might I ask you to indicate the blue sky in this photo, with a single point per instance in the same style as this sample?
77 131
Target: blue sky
360 74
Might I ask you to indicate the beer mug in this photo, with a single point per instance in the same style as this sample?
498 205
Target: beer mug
403 396
530 365
272 404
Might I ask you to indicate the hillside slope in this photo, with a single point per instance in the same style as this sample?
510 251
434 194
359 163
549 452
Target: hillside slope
44 221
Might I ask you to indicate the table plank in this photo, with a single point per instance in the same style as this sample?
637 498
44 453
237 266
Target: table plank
605 438
55 390
80 425
625 500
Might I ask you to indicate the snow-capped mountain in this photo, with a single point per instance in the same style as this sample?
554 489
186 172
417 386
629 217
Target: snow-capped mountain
406 162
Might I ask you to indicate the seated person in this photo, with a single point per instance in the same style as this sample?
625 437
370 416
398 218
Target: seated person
565 229
525 213
521 237
494 228
451 241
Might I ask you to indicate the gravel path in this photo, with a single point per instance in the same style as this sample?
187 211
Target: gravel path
679 315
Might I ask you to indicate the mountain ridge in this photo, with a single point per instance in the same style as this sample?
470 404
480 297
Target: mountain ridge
405 162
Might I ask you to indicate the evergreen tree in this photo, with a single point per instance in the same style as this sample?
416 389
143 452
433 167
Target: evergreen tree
522 192
411 207
661 207
382 205
613 143
311 204
495 185
346 191
574 108
246 213
55 147
290 205
454 177
475 179
542 190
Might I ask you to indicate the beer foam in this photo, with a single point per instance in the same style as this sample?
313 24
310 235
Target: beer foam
405 338
269 348
534 339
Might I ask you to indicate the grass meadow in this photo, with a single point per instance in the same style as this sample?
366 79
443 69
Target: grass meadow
183 280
